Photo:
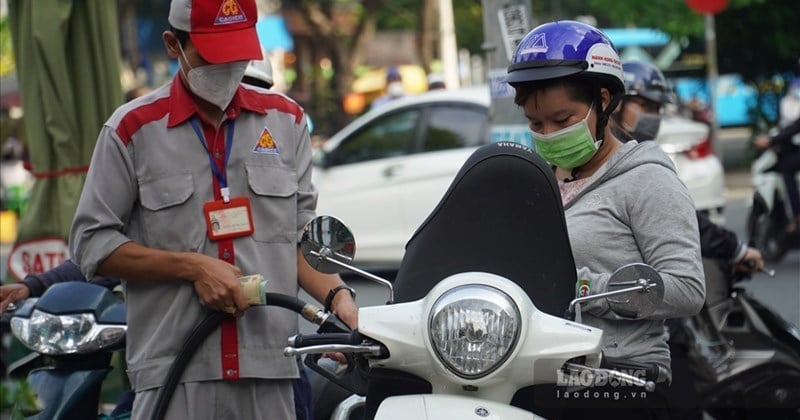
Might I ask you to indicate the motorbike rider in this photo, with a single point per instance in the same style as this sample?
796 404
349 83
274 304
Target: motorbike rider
639 115
618 198
788 151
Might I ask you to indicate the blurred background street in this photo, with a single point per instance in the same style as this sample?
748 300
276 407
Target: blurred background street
337 58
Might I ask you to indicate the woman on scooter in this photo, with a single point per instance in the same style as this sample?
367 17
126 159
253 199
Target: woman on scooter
623 202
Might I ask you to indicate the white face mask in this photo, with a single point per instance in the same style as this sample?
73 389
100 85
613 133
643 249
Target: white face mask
216 83
395 89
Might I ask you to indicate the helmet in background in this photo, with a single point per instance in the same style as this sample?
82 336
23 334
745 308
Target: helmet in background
261 71
646 80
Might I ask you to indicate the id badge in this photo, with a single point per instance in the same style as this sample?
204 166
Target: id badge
228 220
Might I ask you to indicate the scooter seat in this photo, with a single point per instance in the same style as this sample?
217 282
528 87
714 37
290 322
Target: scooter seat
502 214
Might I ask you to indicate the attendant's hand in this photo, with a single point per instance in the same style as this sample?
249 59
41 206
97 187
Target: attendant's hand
217 284
345 308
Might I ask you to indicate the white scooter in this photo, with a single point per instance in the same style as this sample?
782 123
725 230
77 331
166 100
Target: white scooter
482 305
770 210
477 338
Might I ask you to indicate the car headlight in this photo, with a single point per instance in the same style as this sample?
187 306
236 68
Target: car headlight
473 329
65 334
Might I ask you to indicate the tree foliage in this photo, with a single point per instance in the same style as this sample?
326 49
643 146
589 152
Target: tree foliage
6 51
755 38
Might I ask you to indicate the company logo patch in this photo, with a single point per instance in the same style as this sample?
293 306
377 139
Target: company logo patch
584 286
230 12
266 144
538 45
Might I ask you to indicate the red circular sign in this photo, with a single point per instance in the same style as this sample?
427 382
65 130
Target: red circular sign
707 6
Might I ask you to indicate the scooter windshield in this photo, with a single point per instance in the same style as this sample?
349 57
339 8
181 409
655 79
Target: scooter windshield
502 214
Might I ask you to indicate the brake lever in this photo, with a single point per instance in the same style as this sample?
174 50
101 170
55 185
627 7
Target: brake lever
751 264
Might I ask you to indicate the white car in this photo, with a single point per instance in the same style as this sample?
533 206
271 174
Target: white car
688 143
386 171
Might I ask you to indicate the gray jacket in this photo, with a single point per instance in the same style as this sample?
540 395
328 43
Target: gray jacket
635 209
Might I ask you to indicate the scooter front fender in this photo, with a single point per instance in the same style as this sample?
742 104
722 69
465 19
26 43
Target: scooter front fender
437 406
67 394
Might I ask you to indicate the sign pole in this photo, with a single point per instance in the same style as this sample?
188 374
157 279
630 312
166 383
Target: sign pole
712 75
505 23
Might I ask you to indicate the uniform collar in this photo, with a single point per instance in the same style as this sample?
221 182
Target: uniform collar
182 106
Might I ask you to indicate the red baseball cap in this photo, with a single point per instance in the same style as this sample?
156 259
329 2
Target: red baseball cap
221 30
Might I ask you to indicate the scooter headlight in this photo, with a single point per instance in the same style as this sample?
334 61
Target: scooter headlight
473 329
65 334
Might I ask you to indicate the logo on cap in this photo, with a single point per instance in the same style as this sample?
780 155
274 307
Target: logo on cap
230 12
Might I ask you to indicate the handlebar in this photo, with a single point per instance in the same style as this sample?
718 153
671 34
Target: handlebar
305 340
372 349
751 264
647 371
621 376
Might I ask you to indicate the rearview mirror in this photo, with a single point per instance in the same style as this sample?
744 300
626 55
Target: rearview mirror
326 238
641 303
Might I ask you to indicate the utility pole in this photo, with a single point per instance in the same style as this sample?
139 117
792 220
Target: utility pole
713 76
505 23
448 48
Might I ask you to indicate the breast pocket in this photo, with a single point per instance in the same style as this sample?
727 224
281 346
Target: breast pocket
274 203
171 218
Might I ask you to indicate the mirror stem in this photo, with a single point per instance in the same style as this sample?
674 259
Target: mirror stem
360 272
579 300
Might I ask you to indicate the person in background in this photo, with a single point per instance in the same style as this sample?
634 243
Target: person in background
639 115
617 196
786 144
165 167
790 104
394 88
436 82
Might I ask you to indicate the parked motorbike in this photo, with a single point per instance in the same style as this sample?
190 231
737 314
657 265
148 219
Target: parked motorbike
771 211
743 357
482 306
73 329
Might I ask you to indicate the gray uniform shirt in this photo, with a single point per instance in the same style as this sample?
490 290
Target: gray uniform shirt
148 181
635 209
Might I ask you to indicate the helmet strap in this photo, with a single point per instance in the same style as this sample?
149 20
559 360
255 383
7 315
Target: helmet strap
604 114
602 120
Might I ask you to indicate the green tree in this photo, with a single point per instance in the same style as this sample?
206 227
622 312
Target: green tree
343 28
6 53
755 38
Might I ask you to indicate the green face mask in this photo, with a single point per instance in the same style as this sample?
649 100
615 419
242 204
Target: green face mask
569 147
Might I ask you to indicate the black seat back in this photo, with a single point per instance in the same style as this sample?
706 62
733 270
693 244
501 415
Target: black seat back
502 214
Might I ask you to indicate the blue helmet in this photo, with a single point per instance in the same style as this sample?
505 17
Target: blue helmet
565 48
646 80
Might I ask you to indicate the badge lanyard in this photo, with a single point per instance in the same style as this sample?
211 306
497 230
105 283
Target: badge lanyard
219 174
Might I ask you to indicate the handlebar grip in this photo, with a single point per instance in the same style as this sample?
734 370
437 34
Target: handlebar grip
306 340
651 370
